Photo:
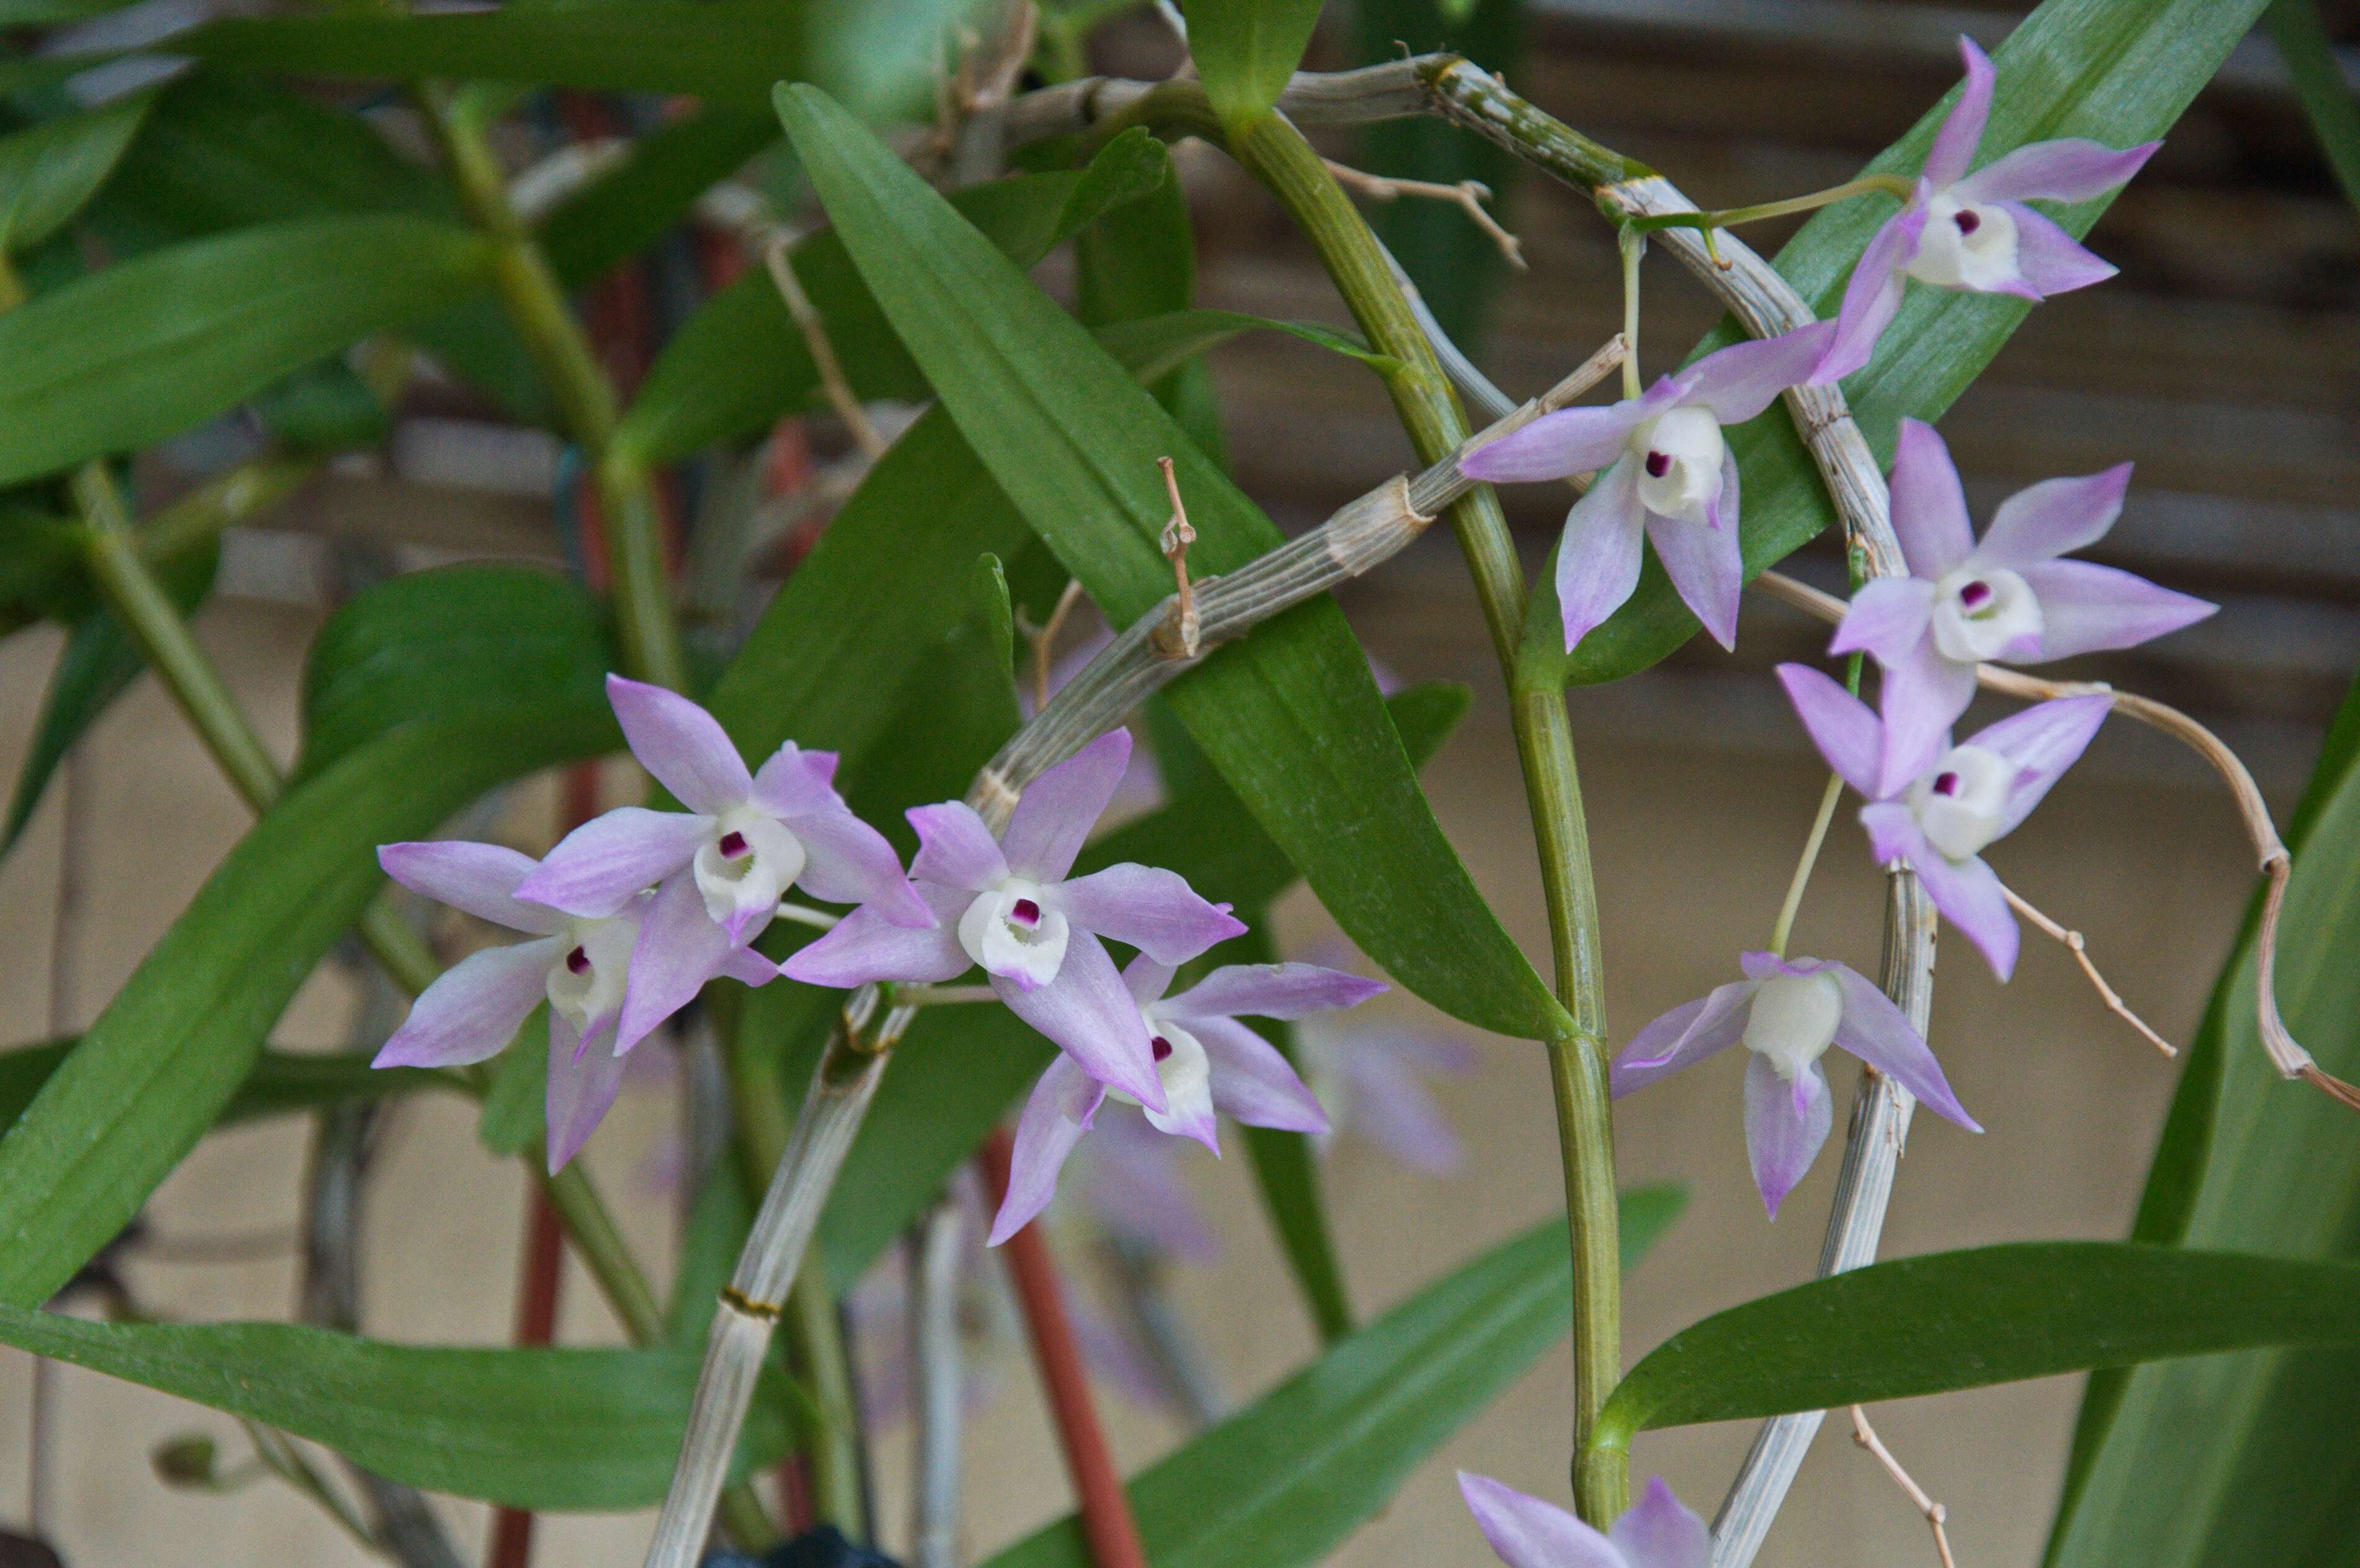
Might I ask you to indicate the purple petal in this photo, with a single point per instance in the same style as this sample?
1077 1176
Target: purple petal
954 847
1058 810
1558 446
1738 382
2050 261
473 1009
1086 1013
1658 1531
1893 833
1271 991
1785 1125
1057 1114
1148 907
1846 732
682 745
1146 980
612 859
745 965
1134 1184
1873 297
678 950
864 945
2068 170
795 781
583 1079
1385 1103
1683 1038
1968 893
1598 559
1963 127
1704 565
1880 1034
1887 618
480 879
1920 698
1529 1533
847 861
1930 507
2085 607
1252 1080
2053 518
2042 740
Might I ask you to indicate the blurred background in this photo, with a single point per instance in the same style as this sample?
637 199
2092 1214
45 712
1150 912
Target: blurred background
2221 361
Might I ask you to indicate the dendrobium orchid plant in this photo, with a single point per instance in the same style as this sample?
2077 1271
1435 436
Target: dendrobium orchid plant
1656 1532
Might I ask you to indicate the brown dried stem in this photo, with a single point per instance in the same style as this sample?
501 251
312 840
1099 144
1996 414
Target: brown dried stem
1936 1516
831 378
1466 195
2074 943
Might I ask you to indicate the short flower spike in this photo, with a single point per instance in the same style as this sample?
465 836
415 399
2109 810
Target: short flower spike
1968 796
583 965
1007 905
1656 1532
1207 1061
721 867
1664 471
1973 232
2009 599
1788 1015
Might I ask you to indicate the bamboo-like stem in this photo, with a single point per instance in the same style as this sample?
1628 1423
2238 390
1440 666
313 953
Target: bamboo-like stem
937 1254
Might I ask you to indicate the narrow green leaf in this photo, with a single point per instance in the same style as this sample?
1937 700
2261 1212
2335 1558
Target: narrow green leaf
718 1220
2118 70
281 1082
1245 49
1140 261
148 347
50 169
1155 346
1284 1481
632 205
546 1430
1971 1319
1290 714
2319 80
513 1109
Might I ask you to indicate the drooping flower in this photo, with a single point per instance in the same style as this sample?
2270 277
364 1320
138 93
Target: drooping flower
1787 1014
1973 232
1373 1086
1207 1061
1970 794
582 965
1666 473
2008 599
1007 905
1656 1532
720 867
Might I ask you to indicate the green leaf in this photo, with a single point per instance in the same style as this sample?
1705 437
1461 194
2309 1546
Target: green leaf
718 1220
513 1109
153 345
156 1068
632 205
2118 70
1971 1319
1155 345
281 1081
1140 261
1245 49
1290 714
2319 80
546 1430
1284 1481
2251 1163
49 171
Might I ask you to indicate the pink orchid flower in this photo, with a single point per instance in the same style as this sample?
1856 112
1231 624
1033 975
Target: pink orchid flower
1973 232
1656 1532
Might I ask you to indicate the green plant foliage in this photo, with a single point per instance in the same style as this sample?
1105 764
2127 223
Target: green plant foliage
1245 49
48 170
280 1083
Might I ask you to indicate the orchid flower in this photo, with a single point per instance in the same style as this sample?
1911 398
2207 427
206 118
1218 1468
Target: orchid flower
1373 1086
2008 599
1207 1061
583 965
720 867
1973 232
1667 473
1007 905
1970 796
1788 1015
1656 1532
1133 1189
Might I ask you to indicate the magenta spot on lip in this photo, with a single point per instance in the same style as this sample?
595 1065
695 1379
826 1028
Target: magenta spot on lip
1025 913
732 844
1160 1046
1658 465
1946 783
1975 594
578 961
1967 221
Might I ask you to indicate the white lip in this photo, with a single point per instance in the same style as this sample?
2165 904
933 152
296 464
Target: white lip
2006 613
589 999
1949 258
1687 443
1029 954
1792 1020
752 883
1961 815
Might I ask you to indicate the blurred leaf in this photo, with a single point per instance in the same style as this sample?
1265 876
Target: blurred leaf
1139 262
2319 80
1290 714
2119 70
281 1082
718 1220
632 205
1971 1319
546 1430
1156 343
48 170
150 346
1286 1170
1245 50
512 1118
2251 1163
1284 1481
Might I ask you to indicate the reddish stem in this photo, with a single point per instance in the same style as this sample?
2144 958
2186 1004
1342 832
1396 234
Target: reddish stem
1108 1528
544 1254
